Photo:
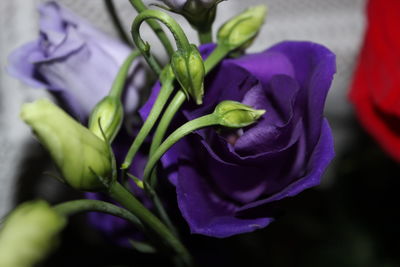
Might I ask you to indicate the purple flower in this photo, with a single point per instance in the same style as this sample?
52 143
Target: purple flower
73 60
227 182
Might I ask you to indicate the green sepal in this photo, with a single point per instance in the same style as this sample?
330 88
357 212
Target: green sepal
136 180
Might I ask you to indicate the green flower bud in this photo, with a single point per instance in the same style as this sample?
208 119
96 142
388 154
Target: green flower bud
188 67
108 114
240 31
236 115
29 233
79 154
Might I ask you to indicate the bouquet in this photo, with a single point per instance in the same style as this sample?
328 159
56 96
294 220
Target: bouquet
233 133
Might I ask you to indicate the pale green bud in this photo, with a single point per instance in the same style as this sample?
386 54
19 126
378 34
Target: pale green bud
236 115
79 154
108 114
29 233
188 67
240 31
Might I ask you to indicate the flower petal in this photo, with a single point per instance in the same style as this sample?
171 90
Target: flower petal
204 211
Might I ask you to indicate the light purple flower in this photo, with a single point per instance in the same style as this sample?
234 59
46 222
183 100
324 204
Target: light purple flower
228 182
73 60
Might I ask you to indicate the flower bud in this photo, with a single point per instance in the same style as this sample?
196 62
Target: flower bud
79 154
108 115
236 115
29 233
240 31
188 67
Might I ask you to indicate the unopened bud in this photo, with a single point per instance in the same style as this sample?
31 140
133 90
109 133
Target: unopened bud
236 115
29 233
188 67
240 31
108 115
79 154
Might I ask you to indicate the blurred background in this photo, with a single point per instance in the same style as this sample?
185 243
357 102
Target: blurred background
349 220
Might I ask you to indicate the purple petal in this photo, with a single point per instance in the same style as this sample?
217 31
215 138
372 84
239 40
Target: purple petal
314 67
269 134
24 70
205 212
320 159
73 60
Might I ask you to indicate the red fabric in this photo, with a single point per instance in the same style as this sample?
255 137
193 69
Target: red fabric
375 91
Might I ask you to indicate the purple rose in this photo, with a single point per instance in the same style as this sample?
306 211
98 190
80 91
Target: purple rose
73 60
226 182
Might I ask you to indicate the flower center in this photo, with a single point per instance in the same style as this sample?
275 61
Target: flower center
231 136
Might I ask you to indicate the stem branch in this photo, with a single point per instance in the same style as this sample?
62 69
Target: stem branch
84 205
124 197
185 129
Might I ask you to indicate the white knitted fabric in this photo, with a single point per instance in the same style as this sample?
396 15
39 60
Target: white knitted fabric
337 24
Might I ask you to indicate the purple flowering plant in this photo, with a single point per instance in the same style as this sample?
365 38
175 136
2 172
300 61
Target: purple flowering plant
233 133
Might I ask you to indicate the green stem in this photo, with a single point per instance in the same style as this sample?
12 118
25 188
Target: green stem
185 129
162 127
166 119
84 205
181 40
140 7
159 208
119 81
124 197
117 22
165 92
219 53
205 36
